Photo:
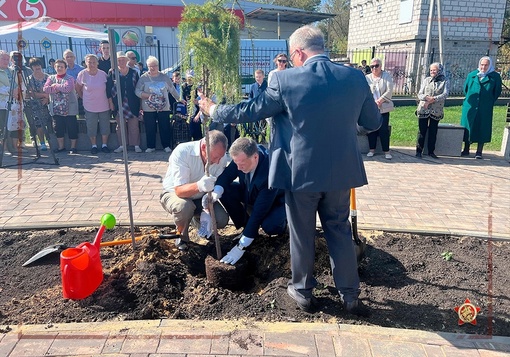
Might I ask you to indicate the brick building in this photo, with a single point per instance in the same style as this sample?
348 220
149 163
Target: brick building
396 30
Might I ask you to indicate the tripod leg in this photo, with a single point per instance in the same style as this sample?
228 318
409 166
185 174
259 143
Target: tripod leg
3 146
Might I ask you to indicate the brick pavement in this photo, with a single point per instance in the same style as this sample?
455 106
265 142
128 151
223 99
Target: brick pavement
449 196
186 338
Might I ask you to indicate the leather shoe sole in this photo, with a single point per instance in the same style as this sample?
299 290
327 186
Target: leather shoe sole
305 304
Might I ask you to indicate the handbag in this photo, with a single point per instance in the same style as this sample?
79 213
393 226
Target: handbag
15 118
387 106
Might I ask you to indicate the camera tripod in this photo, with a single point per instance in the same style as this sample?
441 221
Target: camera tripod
19 77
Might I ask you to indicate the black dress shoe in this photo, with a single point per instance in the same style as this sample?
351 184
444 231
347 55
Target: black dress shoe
304 303
418 154
357 308
181 245
432 155
464 153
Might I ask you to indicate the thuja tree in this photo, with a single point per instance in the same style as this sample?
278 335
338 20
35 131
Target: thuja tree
210 34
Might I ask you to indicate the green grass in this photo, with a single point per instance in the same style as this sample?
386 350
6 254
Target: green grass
404 125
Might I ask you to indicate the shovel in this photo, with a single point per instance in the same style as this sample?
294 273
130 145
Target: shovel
360 244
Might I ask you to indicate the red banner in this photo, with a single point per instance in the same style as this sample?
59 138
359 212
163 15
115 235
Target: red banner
86 12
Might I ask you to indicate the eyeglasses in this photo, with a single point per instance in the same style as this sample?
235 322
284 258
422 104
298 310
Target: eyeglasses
132 58
375 65
292 55
282 61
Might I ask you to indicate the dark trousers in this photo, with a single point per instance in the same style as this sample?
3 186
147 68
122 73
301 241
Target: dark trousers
467 143
232 133
424 125
195 129
154 121
383 133
333 209
274 222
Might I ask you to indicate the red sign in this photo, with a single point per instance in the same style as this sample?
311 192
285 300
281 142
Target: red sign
83 11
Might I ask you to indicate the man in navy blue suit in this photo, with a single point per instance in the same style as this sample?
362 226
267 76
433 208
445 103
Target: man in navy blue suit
249 201
317 109
260 84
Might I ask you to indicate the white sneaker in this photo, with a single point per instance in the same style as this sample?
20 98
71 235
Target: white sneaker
119 149
150 150
137 149
370 154
388 156
167 149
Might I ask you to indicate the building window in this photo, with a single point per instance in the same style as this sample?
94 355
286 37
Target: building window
406 11
379 8
361 12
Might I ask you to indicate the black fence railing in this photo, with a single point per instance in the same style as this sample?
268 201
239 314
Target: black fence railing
405 67
408 72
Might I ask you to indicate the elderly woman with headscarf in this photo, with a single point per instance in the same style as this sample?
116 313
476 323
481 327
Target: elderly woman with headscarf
430 111
482 89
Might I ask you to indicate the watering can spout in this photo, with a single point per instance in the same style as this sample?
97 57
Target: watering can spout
99 235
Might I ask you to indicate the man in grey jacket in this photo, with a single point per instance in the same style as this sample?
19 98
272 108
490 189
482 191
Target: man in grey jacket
317 109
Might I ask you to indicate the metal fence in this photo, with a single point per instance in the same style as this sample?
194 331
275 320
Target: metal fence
408 72
405 67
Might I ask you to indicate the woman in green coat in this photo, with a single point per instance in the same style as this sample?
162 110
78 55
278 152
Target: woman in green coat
482 88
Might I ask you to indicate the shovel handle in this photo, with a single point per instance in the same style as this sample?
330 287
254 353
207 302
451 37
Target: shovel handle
118 242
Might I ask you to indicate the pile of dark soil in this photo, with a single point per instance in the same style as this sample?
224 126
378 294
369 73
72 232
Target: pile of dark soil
408 281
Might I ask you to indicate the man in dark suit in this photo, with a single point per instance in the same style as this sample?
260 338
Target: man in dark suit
317 109
249 202
260 84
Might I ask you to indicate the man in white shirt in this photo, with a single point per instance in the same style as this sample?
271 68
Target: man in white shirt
185 182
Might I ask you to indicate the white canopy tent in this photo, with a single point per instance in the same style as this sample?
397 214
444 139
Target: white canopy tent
55 27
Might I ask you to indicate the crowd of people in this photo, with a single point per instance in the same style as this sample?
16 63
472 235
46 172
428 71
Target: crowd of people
279 190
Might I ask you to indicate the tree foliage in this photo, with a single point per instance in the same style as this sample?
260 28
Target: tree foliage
336 29
210 35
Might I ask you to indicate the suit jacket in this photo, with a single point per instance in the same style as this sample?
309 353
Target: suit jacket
316 110
255 89
257 194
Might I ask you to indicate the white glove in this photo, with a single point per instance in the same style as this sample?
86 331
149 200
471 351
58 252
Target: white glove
237 252
215 196
205 230
206 183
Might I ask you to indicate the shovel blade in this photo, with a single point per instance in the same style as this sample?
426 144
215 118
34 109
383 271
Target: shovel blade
46 251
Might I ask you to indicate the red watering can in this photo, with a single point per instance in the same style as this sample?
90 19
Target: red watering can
81 268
